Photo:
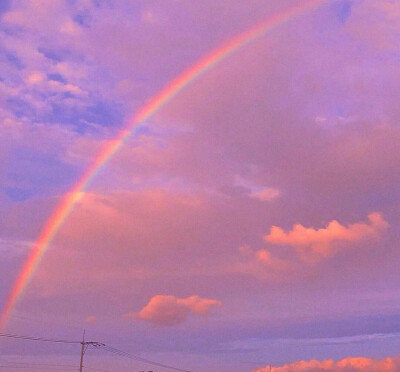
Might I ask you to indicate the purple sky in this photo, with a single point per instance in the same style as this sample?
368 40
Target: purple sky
252 221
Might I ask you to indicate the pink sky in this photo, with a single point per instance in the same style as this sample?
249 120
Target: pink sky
251 221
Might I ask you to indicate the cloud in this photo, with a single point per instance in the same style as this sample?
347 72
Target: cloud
199 305
321 242
169 310
252 116
266 194
266 258
256 191
28 151
35 77
304 251
376 22
350 364
91 319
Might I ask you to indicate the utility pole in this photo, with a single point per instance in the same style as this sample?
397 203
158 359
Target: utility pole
85 345
82 351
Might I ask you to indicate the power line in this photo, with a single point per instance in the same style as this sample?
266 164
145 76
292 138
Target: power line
140 359
40 368
26 365
96 369
85 344
30 338
15 364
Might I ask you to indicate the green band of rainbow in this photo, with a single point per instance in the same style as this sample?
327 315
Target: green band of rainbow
69 200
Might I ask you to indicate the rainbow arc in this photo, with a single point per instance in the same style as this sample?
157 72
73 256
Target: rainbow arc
63 210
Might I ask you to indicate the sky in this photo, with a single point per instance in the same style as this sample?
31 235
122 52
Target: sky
250 222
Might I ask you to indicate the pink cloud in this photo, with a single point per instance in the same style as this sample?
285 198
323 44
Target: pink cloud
125 229
170 310
266 258
375 23
91 319
266 194
317 243
306 250
350 364
199 305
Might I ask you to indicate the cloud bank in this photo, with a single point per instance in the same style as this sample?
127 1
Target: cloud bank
350 364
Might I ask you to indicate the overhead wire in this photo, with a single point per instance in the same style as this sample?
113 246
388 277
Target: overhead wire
107 348
96 369
16 364
39 368
140 359
10 335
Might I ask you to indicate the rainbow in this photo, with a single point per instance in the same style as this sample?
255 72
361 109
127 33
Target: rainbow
62 211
